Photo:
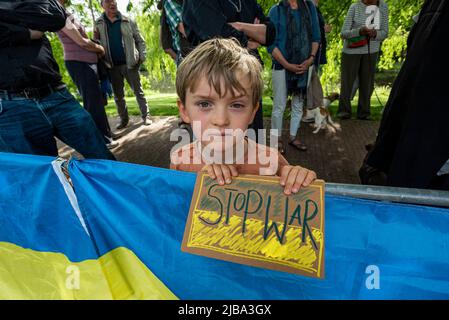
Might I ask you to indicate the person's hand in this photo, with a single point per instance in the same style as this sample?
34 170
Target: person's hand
364 31
223 173
327 28
141 60
294 68
294 178
304 67
253 44
182 30
256 21
101 52
372 33
35 34
236 25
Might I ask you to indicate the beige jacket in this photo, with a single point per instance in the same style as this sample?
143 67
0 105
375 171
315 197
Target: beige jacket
133 43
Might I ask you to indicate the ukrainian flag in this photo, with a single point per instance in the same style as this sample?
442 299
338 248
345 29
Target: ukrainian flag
118 236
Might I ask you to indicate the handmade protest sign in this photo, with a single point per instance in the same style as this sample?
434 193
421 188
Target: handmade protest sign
252 222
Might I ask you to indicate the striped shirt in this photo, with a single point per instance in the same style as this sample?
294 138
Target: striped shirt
356 18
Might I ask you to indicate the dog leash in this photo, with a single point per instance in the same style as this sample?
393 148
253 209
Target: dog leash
377 62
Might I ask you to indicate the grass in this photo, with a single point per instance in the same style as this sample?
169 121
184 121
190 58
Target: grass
164 104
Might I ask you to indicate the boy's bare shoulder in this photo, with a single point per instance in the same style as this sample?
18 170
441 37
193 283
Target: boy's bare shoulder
183 159
182 151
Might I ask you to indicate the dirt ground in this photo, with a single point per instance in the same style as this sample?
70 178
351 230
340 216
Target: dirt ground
336 157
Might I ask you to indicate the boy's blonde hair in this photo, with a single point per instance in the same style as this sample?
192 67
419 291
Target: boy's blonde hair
220 60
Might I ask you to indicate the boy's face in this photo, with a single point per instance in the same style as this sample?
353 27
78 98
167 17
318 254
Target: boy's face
215 114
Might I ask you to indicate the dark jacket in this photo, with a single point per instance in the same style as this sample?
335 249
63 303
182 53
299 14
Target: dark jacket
321 56
413 139
207 19
25 63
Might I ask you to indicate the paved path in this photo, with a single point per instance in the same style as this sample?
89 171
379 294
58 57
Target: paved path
335 157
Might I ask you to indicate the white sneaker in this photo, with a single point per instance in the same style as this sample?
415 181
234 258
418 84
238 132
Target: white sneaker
110 143
147 121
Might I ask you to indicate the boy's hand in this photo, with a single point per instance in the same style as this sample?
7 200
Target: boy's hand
223 173
295 177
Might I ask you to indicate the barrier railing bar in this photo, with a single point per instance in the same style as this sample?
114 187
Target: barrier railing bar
434 198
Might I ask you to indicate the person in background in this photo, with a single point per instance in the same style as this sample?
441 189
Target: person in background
35 104
412 150
125 51
81 58
165 37
172 28
243 20
360 53
173 13
293 52
321 58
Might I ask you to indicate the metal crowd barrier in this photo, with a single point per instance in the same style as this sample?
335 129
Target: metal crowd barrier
434 198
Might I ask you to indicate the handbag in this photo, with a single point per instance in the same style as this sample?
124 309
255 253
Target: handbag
314 96
357 42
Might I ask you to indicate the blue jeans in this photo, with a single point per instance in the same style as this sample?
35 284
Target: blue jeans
29 126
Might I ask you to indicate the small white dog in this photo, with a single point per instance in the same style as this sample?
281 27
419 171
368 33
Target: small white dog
321 116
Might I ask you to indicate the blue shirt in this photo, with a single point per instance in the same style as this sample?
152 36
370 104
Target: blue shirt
115 40
278 18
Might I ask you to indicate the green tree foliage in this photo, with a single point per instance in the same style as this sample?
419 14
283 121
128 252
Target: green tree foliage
160 66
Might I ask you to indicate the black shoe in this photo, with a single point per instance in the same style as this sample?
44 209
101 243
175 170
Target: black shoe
122 125
364 118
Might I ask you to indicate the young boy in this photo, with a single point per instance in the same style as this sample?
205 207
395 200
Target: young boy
219 85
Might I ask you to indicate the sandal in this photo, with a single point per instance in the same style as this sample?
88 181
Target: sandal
281 148
299 145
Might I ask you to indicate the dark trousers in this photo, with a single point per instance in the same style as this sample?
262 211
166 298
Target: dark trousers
85 77
363 66
118 74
